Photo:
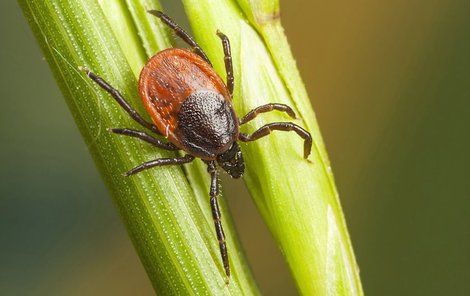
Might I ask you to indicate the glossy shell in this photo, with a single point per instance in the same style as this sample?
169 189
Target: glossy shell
167 81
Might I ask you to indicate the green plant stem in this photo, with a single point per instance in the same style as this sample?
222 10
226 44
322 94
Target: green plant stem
297 198
165 210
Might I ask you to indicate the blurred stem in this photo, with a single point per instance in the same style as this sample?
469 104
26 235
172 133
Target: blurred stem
165 210
297 198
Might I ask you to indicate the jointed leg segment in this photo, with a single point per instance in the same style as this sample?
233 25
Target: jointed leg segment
280 126
181 33
227 61
144 137
121 101
267 108
160 162
214 192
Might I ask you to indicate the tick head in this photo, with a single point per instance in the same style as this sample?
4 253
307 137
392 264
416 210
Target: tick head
232 161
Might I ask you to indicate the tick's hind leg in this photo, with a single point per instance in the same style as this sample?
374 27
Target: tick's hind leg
144 137
280 126
181 33
227 61
121 101
213 193
160 162
267 108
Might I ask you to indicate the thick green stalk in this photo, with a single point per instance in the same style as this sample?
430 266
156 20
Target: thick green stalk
297 198
165 210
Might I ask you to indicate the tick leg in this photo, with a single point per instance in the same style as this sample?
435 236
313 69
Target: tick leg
144 137
267 108
227 60
160 162
121 101
181 33
213 193
280 126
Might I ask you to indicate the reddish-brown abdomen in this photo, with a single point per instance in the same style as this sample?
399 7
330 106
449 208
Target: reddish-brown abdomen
168 79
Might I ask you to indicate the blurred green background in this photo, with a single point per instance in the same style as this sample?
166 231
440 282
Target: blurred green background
390 83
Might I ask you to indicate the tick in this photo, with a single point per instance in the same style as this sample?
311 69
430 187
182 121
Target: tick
191 107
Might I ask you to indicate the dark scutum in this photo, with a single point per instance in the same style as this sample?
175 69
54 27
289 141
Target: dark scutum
207 124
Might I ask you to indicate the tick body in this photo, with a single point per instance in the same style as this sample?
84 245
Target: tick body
191 107
189 103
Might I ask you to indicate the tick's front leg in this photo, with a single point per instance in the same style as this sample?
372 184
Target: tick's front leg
280 126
